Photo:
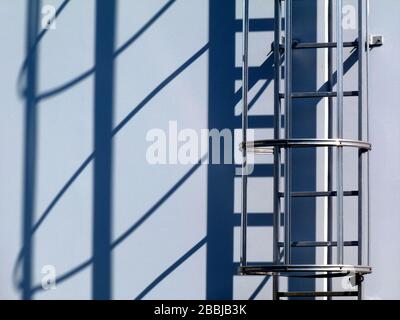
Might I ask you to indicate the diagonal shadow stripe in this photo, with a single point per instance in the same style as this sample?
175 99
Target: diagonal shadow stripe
259 93
89 159
145 27
135 226
88 73
128 232
259 288
347 65
264 71
172 268
169 79
263 282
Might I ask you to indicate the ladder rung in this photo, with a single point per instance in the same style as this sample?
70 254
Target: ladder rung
317 45
319 194
302 95
314 244
318 294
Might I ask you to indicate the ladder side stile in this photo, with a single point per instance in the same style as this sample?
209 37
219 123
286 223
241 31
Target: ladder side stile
277 152
245 75
366 108
361 61
361 46
288 107
330 150
363 133
339 100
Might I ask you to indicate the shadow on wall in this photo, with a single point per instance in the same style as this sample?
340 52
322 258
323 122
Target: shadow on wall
103 72
222 100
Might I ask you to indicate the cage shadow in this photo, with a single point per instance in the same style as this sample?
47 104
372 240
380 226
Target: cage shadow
90 158
69 274
172 268
68 85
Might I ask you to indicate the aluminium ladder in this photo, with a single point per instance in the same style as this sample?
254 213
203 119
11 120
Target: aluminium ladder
335 143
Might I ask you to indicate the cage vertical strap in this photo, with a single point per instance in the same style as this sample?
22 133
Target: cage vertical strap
366 110
277 135
288 133
330 174
339 104
245 85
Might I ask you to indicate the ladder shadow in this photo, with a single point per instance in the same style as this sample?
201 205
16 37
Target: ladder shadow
263 72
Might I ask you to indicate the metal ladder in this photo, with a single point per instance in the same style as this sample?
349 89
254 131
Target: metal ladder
334 142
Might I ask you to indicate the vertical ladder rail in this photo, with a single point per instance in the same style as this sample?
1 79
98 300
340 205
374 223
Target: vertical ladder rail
367 129
330 150
362 116
245 84
288 133
361 49
339 165
277 135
